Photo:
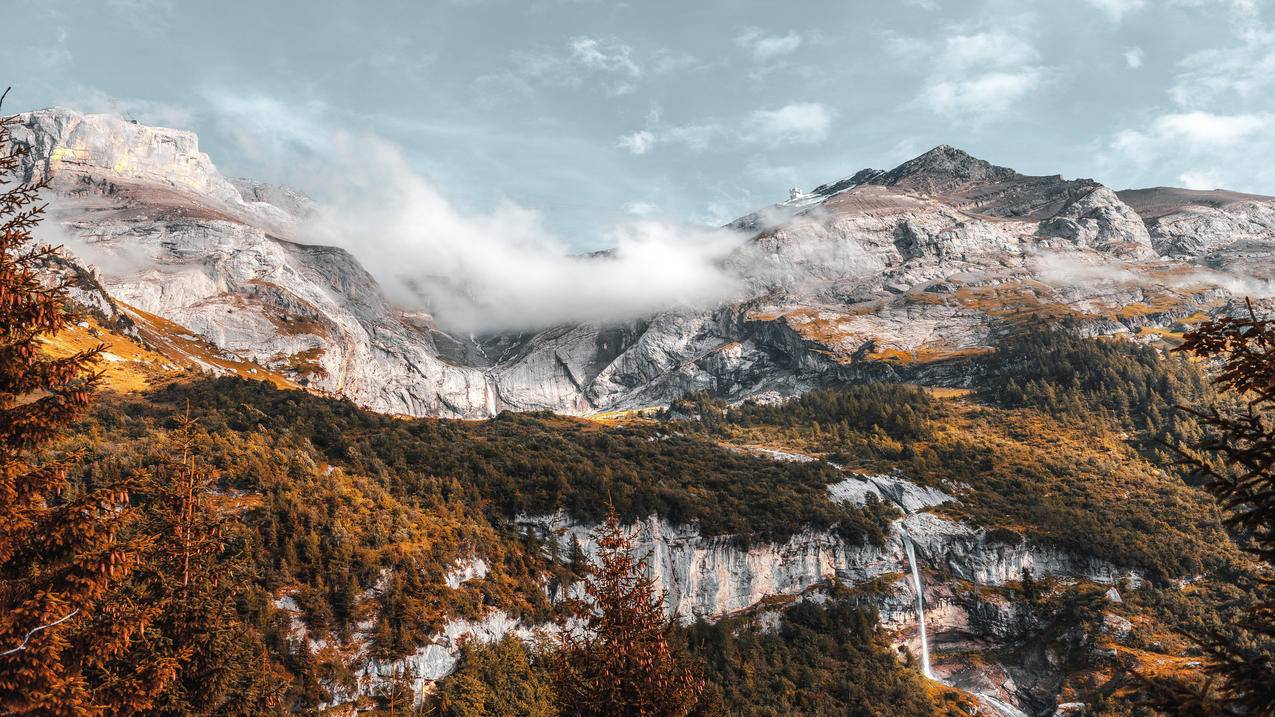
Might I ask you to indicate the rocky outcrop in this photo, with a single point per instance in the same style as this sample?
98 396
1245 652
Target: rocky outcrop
973 554
708 577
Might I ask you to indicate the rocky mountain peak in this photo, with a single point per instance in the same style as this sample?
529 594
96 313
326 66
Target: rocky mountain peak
941 170
107 154
903 269
944 169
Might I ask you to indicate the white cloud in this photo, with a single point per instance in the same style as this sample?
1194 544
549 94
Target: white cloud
998 48
765 47
163 114
1206 130
604 56
987 94
1200 179
1115 10
640 209
1234 145
1133 57
695 136
795 123
267 128
640 142
981 74
1242 71
477 271
502 270
604 62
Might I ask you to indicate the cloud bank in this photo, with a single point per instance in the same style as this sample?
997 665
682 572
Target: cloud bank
502 270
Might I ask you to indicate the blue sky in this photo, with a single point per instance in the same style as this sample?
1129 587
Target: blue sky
586 113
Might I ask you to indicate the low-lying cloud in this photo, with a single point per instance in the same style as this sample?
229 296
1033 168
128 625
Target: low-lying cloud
1065 269
502 270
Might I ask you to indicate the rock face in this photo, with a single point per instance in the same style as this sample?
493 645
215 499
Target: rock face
709 577
171 237
885 274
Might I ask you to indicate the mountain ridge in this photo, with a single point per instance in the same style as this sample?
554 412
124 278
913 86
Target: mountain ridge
883 273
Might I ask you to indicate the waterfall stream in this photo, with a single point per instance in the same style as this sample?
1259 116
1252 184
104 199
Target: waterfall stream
920 604
998 706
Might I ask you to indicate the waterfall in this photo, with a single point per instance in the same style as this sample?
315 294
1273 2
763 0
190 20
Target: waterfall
920 603
1003 709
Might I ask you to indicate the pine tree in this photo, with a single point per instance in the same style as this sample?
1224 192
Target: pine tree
185 575
1236 463
59 553
616 659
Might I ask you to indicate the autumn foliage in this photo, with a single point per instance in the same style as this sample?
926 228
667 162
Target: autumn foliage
59 553
622 663
1236 463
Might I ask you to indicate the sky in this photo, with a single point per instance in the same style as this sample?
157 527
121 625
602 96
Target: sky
587 114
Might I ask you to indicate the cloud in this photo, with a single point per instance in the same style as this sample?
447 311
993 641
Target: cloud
640 209
500 269
998 48
1115 10
765 47
981 74
1072 270
163 114
1199 149
606 62
604 56
1133 57
1243 71
268 129
1200 180
695 136
1190 132
56 54
795 123
990 93
640 142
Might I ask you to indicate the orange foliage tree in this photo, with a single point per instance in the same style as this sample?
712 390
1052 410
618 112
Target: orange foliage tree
1236 463
616 658
59 552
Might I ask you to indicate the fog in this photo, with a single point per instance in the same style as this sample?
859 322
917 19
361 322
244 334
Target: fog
1063 269
502 270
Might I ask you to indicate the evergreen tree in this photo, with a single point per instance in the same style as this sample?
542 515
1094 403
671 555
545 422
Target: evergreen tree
1236 463
500 678
621 664
187 577
59 552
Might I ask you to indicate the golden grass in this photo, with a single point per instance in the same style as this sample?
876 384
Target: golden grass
188 349
125 364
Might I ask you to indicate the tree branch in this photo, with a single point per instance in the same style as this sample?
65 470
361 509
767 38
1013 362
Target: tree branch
27 637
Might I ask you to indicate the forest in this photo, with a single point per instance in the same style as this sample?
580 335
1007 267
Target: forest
331 505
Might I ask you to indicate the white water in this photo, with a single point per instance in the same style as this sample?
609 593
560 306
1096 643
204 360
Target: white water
1000 707
920 604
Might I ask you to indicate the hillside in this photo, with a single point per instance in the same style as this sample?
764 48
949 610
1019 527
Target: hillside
349 517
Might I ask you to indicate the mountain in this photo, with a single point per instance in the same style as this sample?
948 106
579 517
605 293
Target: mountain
898 274
170 237
1022 490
